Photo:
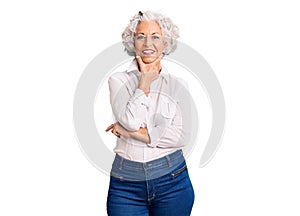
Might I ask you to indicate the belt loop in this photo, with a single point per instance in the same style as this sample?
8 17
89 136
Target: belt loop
169 161
121 163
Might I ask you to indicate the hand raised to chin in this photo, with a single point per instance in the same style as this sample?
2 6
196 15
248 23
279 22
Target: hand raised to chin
149 73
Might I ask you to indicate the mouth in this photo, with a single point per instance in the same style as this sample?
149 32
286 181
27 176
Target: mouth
148 52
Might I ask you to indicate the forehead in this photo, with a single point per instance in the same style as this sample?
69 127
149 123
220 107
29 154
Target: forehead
148 27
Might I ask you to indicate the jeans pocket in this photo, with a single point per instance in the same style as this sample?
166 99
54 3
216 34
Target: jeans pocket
178 172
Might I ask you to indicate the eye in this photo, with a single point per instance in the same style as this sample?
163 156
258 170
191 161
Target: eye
156 37
140 37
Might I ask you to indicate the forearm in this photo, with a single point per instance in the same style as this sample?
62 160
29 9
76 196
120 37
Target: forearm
144 137
141 134
144 85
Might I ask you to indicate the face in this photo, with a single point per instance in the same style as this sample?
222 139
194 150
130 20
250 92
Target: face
149 43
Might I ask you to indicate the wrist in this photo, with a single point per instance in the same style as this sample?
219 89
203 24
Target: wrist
144 88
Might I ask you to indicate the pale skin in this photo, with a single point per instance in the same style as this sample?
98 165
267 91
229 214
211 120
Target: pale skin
149 47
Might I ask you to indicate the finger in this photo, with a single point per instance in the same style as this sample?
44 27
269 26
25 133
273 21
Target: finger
109 127
139 60
115 132
158 59
157 64
161 56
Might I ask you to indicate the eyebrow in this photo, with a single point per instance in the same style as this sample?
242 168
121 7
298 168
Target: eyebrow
142 33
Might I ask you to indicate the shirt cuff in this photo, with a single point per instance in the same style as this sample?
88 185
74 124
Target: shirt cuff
155 135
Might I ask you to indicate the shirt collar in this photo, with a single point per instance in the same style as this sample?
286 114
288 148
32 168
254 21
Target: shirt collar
133 68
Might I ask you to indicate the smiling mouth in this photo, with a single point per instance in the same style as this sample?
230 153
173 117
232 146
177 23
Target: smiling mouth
148 52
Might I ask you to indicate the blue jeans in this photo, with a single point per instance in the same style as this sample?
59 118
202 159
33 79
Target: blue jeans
161 187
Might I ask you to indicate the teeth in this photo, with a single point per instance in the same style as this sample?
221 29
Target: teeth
148 51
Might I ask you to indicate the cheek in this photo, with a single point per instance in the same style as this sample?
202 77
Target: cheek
160 47
138 52
138 49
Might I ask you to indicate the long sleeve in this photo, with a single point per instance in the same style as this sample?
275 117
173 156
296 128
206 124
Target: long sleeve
176 133
166 136
129 103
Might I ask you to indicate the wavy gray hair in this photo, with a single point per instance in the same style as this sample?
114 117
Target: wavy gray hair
169 30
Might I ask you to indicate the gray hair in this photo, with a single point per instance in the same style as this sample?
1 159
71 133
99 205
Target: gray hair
169 30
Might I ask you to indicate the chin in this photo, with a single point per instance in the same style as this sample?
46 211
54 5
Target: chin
149 59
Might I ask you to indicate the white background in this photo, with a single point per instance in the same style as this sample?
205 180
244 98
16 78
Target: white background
253 47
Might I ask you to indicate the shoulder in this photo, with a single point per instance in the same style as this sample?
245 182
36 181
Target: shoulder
119 76
128 71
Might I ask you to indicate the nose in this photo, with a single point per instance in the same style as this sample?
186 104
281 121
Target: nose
148 41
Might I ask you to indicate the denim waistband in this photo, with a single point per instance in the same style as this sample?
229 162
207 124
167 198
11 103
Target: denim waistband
124 169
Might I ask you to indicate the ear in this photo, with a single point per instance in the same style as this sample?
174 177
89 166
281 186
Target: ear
165 46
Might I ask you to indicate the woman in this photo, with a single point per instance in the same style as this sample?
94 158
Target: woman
149 174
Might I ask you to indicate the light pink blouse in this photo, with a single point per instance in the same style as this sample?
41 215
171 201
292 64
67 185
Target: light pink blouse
160 112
